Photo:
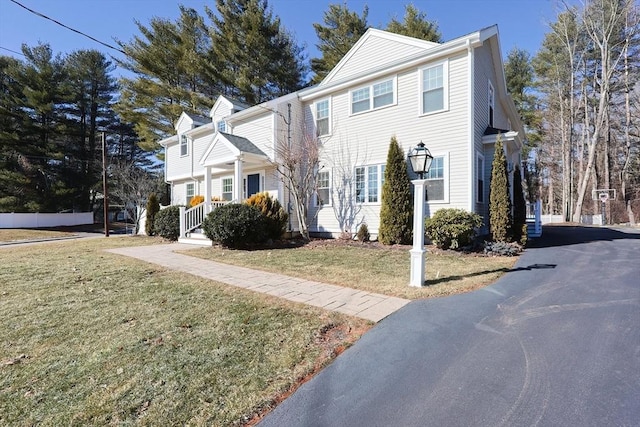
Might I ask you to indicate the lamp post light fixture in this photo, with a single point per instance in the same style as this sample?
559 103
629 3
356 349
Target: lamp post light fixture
420 158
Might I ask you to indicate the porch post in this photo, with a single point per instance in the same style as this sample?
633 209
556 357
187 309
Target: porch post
237 180
207 189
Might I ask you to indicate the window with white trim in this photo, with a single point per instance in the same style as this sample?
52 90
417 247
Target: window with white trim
372 97
184 145
322 117
368 182
433 86
480 178
190 192
222 126
491 102
227 188
436 188
323 188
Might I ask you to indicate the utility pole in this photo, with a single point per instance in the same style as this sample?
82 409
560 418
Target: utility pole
104 187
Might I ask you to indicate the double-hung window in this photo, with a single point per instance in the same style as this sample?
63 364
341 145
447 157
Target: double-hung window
191 191
322 117
433 85
184 145
227 188
368 183
374 96
491 105
436 182
323 188
222 126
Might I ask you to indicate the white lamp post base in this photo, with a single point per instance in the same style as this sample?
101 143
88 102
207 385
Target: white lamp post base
417 253
417 267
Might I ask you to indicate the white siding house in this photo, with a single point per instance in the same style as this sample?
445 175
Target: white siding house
451 96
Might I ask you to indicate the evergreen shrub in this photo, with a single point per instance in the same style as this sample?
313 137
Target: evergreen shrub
196 200
275 216
500 217
519 209
363 233
153 207
452 228
167 223
235 225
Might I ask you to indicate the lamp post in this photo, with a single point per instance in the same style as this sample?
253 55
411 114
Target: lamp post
420 159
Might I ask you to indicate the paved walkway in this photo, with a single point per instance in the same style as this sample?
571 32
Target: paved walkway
367 305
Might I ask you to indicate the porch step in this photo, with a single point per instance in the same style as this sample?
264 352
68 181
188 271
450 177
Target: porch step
196 237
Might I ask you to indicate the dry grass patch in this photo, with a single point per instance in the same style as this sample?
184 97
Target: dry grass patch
15 234
370 267
93 338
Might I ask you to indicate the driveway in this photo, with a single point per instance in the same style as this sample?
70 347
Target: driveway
556 341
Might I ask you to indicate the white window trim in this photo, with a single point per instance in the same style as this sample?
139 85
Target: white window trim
394 81
445 82
222 123
445 176
480 170
329 199
186 192
379 166
491 105
186 139
222 178
315 116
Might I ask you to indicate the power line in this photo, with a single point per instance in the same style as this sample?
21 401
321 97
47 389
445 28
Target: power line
67 27
12 51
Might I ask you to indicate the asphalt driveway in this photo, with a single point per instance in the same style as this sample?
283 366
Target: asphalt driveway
556 341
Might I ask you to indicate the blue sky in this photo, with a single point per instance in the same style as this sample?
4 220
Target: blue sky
521 23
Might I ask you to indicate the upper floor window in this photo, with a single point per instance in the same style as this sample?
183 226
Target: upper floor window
369 181
433 86
491 104
184 145
222 126
377 95
322 117
323 188
436 180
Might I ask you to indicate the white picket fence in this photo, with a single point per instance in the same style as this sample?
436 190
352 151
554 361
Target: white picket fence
39 220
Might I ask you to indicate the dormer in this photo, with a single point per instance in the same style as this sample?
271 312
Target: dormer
223 108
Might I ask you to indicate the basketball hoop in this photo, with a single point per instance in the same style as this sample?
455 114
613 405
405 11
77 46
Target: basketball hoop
604 197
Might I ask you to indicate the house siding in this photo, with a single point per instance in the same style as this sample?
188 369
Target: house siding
259 130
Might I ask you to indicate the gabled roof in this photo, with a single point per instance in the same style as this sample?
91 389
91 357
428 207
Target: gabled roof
226 147
232 104
372 43
194 120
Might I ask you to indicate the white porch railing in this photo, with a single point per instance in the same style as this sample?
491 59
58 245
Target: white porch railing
192 218
534 219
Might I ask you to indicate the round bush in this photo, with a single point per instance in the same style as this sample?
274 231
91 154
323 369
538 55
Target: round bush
452 228
167 223
275 216
235 225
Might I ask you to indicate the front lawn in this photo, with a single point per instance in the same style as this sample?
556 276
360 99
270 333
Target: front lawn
15 234
370 267
93 338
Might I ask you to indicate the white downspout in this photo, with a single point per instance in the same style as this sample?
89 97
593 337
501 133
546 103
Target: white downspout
471 127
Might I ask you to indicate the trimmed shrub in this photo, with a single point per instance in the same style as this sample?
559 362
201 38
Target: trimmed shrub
167 223
153 207
236 225
519 209
196 200
396 212
502 248
500 219
363 233
275 216
452 228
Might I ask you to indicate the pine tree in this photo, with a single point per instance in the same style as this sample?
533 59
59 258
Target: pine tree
500 220
341 30
258 59
416 25
396 212
173 66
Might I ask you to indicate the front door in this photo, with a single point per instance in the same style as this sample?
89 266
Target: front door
253 184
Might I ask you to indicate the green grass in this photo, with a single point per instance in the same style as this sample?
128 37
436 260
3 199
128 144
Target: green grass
14 234
93 338
372 268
